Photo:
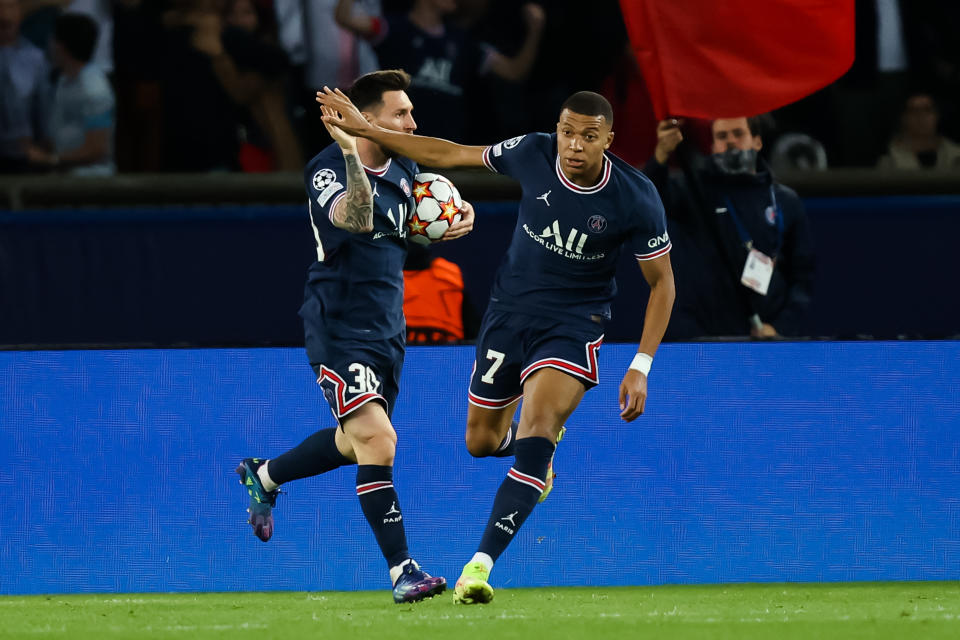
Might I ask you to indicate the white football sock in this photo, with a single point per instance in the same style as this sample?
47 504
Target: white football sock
265 478
397 570
483 559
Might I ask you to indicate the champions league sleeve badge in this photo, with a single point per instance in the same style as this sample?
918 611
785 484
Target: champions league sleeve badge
325 182
323 178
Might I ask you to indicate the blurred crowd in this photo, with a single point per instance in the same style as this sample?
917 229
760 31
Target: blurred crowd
99 86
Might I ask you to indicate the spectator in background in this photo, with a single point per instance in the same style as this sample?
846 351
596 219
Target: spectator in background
267 139
919 145
442 59
38 19
434 301
744 262
24 92
322 53
101 11
82 117
215 79
137 38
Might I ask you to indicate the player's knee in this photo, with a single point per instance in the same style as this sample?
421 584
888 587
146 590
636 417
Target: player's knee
481 442
377 445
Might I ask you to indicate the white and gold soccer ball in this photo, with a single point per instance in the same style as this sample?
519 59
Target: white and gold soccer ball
436 206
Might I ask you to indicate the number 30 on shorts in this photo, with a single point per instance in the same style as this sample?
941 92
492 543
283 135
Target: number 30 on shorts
496 357
365 380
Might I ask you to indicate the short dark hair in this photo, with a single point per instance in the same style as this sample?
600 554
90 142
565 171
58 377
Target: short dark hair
77 33
761 124
757 125
588 103
367 90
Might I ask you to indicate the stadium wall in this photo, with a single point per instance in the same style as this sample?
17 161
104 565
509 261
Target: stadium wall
233 275
754 463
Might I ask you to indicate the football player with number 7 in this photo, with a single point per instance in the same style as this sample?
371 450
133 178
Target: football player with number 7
544 325
359 195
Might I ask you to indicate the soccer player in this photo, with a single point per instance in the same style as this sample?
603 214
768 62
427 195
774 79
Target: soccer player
541 332
358 194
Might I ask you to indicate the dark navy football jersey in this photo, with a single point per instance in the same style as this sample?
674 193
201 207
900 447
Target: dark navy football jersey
441 66
568 238
355 288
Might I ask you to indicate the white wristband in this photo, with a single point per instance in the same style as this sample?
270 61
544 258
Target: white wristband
641 362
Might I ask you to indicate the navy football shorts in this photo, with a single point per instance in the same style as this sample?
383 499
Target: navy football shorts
511 346
354 372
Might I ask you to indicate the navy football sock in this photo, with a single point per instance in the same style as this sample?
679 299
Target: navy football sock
315 455
517 495
508 445
378 500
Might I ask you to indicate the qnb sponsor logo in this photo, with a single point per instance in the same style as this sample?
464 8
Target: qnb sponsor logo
570 245
653 243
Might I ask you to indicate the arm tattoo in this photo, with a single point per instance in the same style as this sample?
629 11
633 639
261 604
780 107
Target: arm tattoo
355 211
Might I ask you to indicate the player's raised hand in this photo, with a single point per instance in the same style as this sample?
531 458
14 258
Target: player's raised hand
342 112
633 395
463 226
341 137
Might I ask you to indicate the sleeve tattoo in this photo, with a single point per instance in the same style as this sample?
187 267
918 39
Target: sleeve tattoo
355 212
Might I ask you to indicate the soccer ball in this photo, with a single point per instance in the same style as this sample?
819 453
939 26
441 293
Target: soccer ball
436 206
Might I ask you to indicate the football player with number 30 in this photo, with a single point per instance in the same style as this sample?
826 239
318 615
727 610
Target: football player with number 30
543 328
359 196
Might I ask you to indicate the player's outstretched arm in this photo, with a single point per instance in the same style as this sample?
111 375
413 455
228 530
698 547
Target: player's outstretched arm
353 212
633 389
432 152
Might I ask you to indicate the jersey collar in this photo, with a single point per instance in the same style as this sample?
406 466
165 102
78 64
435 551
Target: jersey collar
604 177
378 172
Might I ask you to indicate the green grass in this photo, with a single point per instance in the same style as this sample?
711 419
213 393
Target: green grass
920 610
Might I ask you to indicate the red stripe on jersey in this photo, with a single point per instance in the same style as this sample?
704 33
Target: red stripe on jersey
340 196
378 172
656 254
486 160
605 177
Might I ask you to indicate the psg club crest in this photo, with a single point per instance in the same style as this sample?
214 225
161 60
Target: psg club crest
323 178
771 215
405 186
597 224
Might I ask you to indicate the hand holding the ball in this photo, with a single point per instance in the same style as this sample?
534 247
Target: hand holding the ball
463 226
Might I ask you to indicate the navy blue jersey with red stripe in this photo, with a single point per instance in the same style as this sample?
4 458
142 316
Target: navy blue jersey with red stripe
355 288
564 251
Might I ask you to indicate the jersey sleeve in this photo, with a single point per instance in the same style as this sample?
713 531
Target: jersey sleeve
649 238
509 156
326 186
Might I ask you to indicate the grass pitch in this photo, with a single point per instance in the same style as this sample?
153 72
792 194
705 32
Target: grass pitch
928 610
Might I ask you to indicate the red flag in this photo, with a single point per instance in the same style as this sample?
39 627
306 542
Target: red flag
727 58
